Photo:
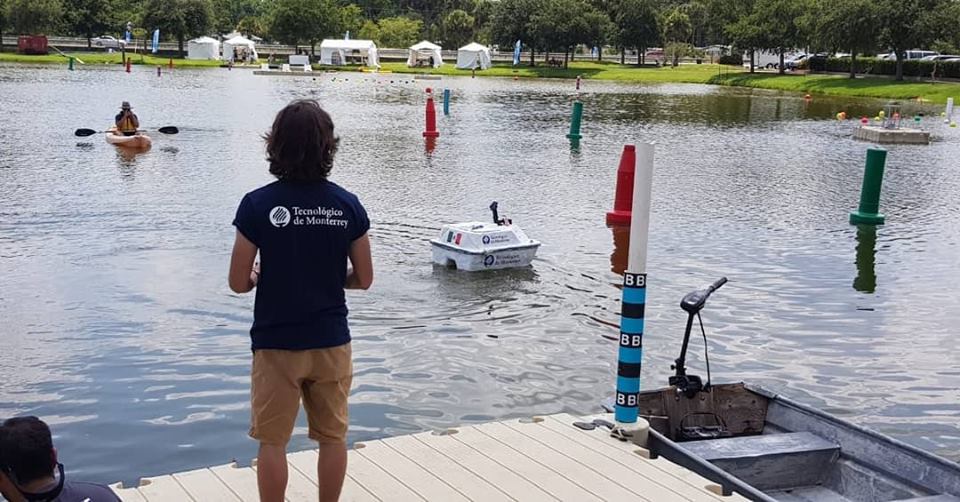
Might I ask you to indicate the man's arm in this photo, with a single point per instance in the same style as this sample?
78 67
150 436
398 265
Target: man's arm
361 277
243 274
136 121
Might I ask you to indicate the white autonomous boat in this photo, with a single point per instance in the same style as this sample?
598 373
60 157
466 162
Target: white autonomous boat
474 246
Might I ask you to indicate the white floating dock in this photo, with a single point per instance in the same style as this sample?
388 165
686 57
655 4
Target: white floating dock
546 459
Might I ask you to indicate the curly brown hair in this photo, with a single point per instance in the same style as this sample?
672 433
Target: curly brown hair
301 144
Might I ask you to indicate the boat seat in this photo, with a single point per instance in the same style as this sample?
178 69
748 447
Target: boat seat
771 461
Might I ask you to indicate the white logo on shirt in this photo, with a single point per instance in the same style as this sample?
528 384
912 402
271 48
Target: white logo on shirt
280 216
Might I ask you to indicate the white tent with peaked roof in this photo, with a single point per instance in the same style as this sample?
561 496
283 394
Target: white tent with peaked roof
203 48
425 51
239 46
336 52
472 56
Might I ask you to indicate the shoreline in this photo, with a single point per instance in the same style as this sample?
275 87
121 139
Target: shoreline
708 74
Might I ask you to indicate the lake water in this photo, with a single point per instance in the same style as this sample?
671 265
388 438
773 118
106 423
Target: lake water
118 327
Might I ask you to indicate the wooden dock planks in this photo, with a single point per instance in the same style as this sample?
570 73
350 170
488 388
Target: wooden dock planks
546 459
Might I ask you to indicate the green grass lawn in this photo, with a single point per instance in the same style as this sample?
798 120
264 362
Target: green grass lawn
586 69
95 58
838 85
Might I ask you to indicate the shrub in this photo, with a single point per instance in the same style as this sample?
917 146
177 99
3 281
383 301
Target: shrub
731 59
873 66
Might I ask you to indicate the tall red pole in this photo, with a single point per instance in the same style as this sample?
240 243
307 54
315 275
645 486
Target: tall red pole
431 131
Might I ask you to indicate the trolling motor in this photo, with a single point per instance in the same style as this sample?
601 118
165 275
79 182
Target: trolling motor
693 303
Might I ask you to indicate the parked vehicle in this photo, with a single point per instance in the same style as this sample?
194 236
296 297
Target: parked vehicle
795 62
108 42
909 55
762 59
940 57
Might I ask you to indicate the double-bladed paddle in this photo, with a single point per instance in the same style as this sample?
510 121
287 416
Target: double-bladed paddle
90 132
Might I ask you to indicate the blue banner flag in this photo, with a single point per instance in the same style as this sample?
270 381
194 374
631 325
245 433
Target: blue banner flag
516 53
156 40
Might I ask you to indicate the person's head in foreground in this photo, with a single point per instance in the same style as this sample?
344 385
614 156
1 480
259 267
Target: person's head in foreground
301 144
31 470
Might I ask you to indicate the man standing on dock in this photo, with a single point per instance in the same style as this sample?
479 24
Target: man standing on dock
306 230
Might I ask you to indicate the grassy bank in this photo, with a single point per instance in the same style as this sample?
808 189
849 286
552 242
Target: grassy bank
97 58
833 85
837 85
696 74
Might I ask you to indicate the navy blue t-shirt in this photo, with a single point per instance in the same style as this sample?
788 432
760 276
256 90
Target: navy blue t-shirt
304 232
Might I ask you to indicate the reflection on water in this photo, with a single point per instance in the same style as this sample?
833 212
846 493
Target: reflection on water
621 248
120 329
866 280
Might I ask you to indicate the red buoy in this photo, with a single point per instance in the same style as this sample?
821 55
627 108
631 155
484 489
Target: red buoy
128 65
623 201
431 131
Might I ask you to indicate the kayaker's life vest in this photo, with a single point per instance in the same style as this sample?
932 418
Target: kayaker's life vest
126 125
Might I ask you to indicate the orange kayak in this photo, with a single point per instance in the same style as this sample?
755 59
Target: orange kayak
138 141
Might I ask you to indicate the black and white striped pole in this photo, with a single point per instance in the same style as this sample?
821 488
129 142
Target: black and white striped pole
630 360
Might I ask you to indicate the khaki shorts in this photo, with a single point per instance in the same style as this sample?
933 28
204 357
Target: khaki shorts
281 378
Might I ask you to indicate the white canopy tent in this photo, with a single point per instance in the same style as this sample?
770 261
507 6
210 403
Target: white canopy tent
203 48
239 48
472 56
336 52
425 51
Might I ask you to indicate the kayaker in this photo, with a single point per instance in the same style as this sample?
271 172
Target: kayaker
127 122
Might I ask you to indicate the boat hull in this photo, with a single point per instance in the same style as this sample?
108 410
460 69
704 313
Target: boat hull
137 142
512 257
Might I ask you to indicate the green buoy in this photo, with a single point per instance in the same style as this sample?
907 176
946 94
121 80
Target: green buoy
869 211
575 120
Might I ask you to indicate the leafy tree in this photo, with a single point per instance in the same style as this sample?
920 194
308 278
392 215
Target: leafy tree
746 35
374 9
677 31
180 19
351 19
88 18
778 24
850 25
564 24
696 11
637 26
34 17
512 21
722 15
458 28
399 31
254 25
905 24
304 21
228 14
3 21
370 31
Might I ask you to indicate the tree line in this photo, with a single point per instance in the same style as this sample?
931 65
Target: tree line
857 27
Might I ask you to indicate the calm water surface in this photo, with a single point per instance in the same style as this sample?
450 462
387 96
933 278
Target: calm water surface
119 329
